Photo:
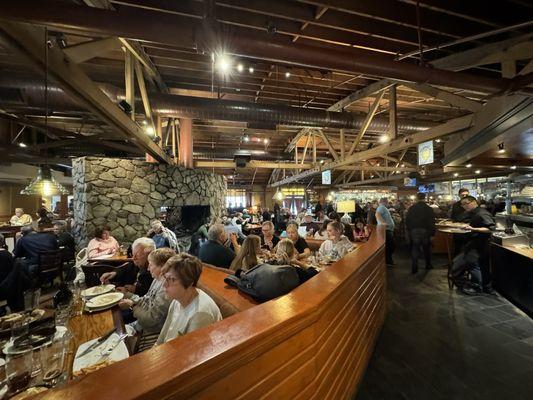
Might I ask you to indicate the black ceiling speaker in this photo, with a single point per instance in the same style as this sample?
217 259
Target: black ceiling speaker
414 175
242 160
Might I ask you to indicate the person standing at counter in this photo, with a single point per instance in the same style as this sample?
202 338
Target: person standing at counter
20 219
481 225
420 223
458 213
384 217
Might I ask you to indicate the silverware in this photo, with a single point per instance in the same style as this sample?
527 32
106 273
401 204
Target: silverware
97 343
109 351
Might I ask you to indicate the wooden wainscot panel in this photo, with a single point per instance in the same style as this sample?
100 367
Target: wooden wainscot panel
314 342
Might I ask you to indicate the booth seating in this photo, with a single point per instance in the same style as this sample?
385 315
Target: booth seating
313 343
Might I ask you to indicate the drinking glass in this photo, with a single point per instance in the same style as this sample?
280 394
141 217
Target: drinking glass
18 370
53 361
63 313
20 328
31 299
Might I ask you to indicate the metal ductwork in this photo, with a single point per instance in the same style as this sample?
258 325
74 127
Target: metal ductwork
168 105
185 31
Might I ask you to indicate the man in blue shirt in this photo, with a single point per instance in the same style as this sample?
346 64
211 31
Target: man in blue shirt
383 217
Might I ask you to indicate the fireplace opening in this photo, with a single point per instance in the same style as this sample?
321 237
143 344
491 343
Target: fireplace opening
186 220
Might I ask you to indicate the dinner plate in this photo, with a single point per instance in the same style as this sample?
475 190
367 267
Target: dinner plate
10 349
97 290
114 349
104 300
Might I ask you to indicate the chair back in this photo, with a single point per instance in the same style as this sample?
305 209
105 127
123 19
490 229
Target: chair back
93 271
82 255
50 264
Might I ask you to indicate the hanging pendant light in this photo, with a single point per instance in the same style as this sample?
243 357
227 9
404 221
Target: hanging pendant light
44 184
278 195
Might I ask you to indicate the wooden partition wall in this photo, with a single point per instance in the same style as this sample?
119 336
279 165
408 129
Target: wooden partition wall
313 343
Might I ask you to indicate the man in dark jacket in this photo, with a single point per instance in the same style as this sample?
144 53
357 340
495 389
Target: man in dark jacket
214 252
420 222
31 244
481 226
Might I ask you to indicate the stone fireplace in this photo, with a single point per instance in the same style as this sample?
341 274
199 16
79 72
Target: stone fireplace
127 194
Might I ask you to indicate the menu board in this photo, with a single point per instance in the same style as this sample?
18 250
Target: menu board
425 153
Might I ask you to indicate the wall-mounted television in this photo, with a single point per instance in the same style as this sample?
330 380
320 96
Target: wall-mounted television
430 188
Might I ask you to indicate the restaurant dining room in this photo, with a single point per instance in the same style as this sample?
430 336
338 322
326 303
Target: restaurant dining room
251 199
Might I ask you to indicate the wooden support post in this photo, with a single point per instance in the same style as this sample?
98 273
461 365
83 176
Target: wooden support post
342 144
393 125
314 149
129 74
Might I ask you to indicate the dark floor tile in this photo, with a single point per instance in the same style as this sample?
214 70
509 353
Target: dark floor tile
518 328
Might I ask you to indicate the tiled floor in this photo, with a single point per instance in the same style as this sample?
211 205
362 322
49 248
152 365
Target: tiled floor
441 344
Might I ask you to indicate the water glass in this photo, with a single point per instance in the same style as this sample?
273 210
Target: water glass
53 361
18 370
31 299
63 313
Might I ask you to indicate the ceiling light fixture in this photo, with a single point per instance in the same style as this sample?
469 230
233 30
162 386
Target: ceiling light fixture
501 148
384 138
468 165
246 139
251 70
22 144
223 64
456 174
287 74
437 140
149 130
478 171
265 141
240 67
513 167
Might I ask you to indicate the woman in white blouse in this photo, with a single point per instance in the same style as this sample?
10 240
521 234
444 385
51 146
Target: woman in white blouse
337 245
191 308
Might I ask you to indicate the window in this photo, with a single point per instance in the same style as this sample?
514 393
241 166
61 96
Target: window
236 198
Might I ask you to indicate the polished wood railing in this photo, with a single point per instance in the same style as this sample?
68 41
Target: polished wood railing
313 343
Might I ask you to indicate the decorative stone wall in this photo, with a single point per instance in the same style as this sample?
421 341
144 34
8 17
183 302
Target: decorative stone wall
127 194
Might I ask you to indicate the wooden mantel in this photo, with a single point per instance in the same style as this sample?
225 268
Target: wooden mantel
313 343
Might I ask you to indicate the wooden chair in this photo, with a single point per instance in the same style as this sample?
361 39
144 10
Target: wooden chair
93 271
49 266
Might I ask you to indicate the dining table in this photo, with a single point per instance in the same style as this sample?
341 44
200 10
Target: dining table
114 259
449 230
87 326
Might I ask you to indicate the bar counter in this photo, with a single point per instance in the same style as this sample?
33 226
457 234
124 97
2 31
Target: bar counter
512 270
314 342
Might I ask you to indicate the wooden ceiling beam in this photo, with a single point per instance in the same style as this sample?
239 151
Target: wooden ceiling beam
29 41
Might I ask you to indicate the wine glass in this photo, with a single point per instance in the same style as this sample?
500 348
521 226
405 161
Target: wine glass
18 369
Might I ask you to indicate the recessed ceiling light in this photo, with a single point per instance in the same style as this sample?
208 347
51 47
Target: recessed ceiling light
265 140
437 140
149 130
403 165
456 174
478 171
513 167
321 161
246 139
468 165
22 144
240 68
287 74
384 138
251 70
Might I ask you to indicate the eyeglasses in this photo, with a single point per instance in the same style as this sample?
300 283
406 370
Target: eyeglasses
169 279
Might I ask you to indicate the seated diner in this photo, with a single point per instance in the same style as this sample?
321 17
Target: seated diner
20 218
190 308
102 244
